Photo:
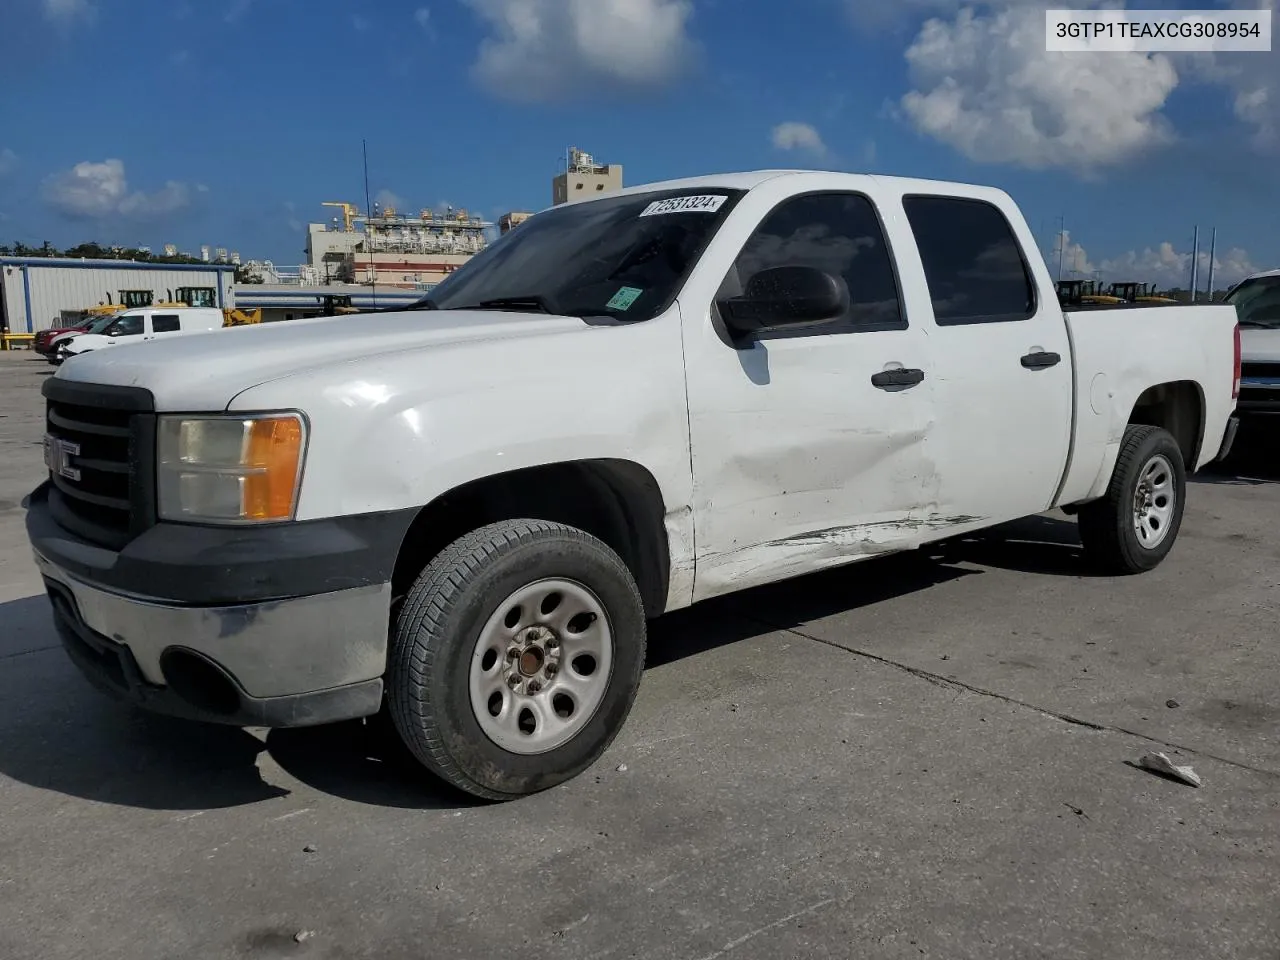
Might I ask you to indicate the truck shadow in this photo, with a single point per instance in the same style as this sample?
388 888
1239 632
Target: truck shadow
1049 546
1254 459
58 734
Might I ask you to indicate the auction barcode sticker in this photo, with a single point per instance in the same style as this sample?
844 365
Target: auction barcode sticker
1150 31
706 203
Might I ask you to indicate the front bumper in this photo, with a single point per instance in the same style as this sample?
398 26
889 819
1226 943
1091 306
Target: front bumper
278 627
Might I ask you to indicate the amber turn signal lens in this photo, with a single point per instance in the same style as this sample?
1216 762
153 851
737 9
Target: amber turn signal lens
273 452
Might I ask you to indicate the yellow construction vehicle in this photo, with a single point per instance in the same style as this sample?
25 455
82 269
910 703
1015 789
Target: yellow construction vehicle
1132 292
195 296
231 317
1076 293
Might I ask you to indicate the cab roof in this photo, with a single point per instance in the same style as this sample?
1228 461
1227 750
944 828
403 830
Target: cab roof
749 179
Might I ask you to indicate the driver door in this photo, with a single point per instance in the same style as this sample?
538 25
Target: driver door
126 329
808 443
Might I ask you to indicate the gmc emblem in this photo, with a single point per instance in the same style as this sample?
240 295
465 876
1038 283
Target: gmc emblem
58 454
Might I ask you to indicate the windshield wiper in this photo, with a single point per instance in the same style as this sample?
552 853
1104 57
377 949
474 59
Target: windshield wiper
531 302
426 303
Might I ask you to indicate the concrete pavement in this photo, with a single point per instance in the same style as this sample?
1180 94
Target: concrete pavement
923 756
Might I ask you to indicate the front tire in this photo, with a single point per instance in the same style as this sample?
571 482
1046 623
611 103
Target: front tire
1134 526
516 658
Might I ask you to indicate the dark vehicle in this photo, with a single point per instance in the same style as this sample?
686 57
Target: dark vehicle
43 343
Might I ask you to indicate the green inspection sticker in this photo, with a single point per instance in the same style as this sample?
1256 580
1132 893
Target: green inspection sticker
624 298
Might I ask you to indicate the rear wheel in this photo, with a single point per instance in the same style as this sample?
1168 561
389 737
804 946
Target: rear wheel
516 658
1134 526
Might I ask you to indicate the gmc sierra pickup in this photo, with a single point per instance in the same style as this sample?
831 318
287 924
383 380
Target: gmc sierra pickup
465 513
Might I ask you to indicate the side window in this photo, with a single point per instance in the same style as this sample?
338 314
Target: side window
836 232
129 325
972 262
165 323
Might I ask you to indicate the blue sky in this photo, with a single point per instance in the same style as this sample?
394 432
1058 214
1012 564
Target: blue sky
227 122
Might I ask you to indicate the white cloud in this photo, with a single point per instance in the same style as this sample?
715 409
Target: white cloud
793 135
69 11
548 49
360 23
885 14
985 85
1164 264
385 198
8 161
422 17
91 191
1252 82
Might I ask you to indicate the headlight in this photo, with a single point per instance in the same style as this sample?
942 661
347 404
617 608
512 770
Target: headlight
226 469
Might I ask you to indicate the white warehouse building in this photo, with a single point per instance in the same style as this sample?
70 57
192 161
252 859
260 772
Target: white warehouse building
37 293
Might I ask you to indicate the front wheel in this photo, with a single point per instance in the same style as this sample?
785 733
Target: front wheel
1133 527
516 658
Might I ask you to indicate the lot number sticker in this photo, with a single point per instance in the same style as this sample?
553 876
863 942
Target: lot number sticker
624 298
705 203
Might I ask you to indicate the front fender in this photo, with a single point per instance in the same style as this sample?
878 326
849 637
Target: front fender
398 431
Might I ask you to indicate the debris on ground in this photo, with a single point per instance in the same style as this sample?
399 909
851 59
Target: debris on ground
622 768
302 936
1172 704
309 848
1159 763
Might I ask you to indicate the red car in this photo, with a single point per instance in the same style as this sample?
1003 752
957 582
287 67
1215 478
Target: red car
44 338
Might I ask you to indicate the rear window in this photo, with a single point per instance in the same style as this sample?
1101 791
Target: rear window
974 267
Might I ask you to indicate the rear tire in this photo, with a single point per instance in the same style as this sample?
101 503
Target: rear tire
516 658
1134 526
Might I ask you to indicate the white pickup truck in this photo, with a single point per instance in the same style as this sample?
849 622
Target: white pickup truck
465 513
1257 303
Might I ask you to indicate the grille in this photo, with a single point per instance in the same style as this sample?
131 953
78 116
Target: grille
1260 370
100 457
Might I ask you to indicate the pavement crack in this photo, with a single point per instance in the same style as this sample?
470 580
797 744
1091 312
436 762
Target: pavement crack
734 944
27 653
954 684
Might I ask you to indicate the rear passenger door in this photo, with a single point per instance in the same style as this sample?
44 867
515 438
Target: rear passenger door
164 323
807 443
1002 361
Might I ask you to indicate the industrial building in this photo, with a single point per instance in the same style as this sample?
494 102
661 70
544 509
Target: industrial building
297 302
509 221
37 293
583 178
391 250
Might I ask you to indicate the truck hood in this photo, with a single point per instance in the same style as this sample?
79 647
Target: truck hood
1259 346
205 371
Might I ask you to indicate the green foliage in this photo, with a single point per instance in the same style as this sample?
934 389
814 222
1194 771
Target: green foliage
91 251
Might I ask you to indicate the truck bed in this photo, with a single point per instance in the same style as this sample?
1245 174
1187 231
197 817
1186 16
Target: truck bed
1114 365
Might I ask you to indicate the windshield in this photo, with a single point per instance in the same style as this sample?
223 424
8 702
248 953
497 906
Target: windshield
1257 302
623 256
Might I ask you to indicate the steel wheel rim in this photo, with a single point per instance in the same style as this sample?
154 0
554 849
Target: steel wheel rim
1154 500
541 666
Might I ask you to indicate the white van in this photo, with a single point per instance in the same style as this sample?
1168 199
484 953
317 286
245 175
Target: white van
139 326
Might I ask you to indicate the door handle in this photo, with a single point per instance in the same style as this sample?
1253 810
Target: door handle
887 379
1040 360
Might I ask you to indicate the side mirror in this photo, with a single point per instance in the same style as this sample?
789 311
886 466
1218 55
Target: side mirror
784 297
